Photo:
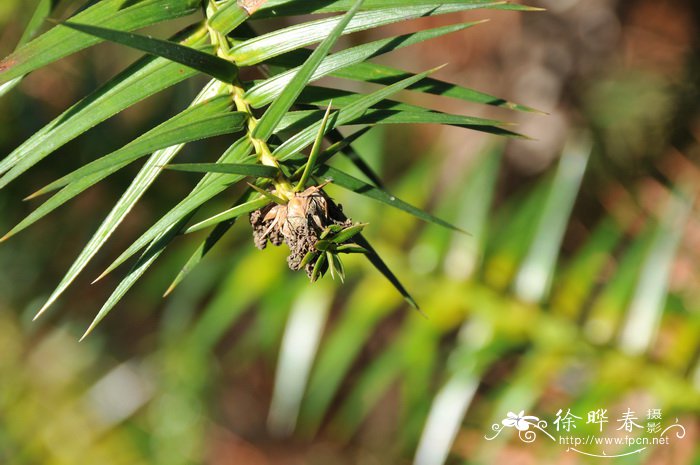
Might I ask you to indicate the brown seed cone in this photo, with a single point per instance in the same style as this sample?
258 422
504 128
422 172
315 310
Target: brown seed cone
298 224
299 246
261 230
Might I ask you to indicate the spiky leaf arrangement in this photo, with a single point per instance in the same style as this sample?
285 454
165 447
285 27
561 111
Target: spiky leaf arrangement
285 198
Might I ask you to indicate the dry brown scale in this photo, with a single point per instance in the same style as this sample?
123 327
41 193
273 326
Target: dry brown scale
298 224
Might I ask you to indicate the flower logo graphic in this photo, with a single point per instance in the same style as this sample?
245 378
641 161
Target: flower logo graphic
520 421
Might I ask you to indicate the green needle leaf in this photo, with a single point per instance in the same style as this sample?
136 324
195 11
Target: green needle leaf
376 260
274 114
280 92
262 48
360 187
348 233
318 96
275 8
343 144
206 63
340 143
332 264
256 171
60 42
335 136
269 195
297 120
329 230
41 12
268 90
349 248
192 124
302 139
232 14
338 265
142 79
379 264
230 214
323 245
307 258
381 74
211 185
315 150
319 267
136 189
144 262
202 121
207 244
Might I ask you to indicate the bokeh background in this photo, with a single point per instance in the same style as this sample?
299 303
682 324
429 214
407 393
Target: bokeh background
577 288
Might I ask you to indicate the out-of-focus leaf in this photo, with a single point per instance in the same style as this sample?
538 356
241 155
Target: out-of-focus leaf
297 352
606 310
364 310
370 387
577 282
505 250
41 12
238 291
534 278
647 306
472 205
